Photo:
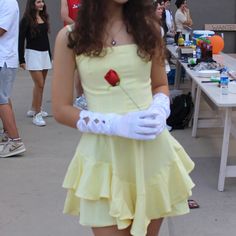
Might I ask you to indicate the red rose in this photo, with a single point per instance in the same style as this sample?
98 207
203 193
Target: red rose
112 78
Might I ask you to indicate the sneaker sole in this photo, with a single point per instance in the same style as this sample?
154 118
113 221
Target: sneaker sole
14 153
32 115
42 125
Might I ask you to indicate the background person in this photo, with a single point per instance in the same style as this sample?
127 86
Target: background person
35 57
170 34
160 13
69 13
11 144
128 171
183 20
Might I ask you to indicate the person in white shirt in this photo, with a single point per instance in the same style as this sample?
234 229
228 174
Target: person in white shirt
183 20
10 142
170 34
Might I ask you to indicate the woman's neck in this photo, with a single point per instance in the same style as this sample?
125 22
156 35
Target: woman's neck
39 18
115 12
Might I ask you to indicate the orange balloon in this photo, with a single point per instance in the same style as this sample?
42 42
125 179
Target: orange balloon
217 43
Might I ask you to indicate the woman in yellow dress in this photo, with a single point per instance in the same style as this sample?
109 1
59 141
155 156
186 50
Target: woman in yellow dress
128 172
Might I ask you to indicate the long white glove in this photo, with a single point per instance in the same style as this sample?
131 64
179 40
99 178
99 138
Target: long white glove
161 105
141 125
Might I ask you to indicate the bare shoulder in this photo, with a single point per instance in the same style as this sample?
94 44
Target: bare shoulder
62 35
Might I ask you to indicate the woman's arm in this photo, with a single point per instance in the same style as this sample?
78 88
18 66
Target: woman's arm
65 12
63 82
22 36
135 125
161 101
159 77
189 21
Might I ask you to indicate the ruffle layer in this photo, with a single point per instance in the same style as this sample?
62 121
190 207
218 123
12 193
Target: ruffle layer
165 193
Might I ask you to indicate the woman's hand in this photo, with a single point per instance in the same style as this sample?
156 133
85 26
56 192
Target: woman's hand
186 10
23 66
160 105
140 125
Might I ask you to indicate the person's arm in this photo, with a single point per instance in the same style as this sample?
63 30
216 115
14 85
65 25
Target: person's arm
65 13
5 18
21 43
158 76
160 90
63 82
2 31
189 21
140 125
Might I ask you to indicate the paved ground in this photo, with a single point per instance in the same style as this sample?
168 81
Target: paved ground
31 198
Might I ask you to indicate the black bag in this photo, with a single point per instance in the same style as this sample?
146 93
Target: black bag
181 111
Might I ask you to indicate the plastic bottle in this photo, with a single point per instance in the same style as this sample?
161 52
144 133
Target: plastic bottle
193 60
180 39
198 53
194 53
209 52
203 50
224 82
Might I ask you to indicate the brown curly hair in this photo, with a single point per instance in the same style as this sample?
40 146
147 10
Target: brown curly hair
30 16
139 17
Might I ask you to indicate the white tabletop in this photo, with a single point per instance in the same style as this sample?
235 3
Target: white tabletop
211 89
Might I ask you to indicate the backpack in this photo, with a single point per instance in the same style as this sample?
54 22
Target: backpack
181 111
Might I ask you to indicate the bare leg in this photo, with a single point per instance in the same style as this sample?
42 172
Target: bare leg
111 231
10 104
45 72
39 81
154 227
8 119
153 230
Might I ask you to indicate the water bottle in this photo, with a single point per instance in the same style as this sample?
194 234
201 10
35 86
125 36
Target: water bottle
198 53
180 39
194 53
224 82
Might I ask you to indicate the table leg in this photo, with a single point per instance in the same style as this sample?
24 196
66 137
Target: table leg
177 75
193 90
196 111
225 148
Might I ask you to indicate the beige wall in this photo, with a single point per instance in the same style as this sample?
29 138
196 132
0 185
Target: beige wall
203 11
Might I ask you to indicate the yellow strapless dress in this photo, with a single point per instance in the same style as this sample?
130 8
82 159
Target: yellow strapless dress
119 181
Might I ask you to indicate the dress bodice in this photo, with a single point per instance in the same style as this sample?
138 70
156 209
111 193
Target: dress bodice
135 82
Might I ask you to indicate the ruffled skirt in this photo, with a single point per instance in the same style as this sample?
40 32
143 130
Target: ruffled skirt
123 182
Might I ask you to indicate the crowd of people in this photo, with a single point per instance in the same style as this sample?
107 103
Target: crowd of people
128 172
173 25
25 43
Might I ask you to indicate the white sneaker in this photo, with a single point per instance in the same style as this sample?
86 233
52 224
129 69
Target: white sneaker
12 148
31 113
38 120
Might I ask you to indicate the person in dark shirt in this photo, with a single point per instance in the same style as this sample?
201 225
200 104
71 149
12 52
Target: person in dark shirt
35 55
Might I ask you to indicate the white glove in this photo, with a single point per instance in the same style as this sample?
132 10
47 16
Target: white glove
141 125
161 105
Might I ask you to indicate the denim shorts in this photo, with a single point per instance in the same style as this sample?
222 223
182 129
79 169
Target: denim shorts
7 78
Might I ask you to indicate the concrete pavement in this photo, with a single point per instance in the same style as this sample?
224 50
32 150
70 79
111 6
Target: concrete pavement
31 198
